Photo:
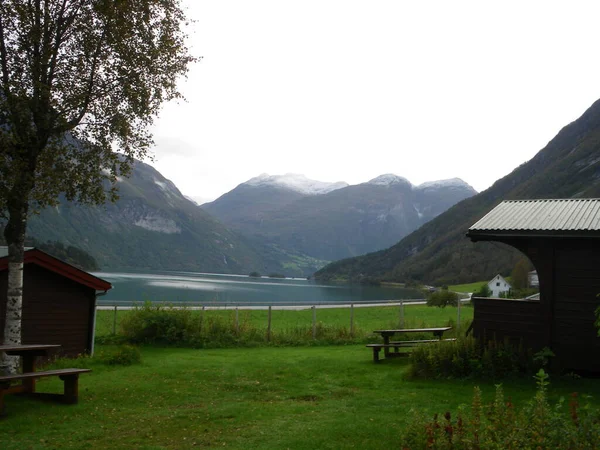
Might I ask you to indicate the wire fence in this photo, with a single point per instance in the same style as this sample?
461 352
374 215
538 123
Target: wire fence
116 306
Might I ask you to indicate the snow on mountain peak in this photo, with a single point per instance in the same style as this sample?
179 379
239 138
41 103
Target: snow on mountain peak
389 179
451 182
296 182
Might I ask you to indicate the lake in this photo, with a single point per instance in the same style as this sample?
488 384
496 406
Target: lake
222 290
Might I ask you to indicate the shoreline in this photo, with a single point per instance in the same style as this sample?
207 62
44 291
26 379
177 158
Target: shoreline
241 306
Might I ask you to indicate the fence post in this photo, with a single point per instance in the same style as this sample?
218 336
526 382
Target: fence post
314 320
269 326
237 320
458 315
201 318
351 319
115 321
401 314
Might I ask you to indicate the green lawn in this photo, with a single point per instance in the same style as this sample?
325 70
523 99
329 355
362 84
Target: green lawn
299 398
467 288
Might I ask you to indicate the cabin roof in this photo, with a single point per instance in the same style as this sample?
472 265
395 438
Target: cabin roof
43 259
548 217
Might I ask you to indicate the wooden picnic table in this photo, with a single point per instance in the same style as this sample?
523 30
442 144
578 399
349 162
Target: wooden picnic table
29 353
438 332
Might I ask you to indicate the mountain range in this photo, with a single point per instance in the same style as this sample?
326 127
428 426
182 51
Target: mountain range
439 253
151 226
271 224
329 221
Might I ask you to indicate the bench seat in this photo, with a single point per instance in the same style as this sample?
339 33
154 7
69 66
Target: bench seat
70 377
422 341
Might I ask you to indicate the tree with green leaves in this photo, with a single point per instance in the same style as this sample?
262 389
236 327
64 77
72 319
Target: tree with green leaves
484 291
519 277
80 84
442 298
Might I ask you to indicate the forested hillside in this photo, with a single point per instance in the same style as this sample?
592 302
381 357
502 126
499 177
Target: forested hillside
67 253
151 227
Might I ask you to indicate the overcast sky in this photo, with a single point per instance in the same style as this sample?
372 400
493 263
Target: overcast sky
349 90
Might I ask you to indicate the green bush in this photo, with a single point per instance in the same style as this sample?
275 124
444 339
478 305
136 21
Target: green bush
154 323
499 426
442 298
123 355
470 358
522 293
484 291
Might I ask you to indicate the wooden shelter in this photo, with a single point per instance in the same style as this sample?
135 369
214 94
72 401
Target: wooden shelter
59 302
562 240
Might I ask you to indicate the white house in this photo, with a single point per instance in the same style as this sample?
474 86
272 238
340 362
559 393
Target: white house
533 279
498 285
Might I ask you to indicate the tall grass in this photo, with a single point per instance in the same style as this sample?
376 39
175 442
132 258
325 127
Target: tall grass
161 324
499 425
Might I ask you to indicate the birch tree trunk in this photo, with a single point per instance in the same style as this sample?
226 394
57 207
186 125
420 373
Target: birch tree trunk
14 234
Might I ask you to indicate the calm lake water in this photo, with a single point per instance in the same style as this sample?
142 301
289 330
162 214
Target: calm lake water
213 289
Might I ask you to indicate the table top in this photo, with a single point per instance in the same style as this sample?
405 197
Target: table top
415 330
27 347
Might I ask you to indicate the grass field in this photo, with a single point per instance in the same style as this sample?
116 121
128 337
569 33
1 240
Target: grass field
300 397
467 288
259 398
365 319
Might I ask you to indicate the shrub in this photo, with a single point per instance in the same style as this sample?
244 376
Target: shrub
254 274
123 355
470 358
522 293
157 323
499 425
442 298
484 291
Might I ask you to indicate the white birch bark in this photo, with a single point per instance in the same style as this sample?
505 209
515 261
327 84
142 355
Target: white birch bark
14 308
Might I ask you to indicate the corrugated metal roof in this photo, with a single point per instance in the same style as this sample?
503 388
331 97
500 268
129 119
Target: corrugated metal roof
560 215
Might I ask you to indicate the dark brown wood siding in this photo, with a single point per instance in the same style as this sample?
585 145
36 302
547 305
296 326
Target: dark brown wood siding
577 283
569 274
56 310
500 319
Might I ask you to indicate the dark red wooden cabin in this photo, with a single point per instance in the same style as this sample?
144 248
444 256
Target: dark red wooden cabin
59 302
562 240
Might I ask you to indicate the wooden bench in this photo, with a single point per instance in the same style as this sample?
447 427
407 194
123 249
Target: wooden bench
69 376
420 341
397 345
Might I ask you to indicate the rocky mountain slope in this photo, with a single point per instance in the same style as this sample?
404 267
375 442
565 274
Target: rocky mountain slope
152 226
334 221
439 252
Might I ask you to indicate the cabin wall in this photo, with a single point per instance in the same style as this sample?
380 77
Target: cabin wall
56 310
569 277
575 338
515 320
